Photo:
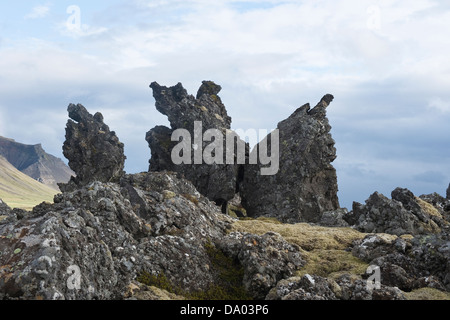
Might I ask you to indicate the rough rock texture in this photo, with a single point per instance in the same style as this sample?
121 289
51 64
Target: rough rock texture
94 152
304 288
357 289
448 192
266 259
404 214
306 184
94 241
4 208
423 261
217 181
441 204
334 218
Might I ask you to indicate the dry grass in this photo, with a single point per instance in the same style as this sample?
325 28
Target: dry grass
308 237
323 248
427 294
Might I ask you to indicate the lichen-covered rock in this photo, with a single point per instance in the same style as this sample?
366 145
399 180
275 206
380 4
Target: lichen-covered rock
94 152
217 181
423 261
352 288
266 259
92 242
306 184
404 214
4 208
334 218
308 287
439 203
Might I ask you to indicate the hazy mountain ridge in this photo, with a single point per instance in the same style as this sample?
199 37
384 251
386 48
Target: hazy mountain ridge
18 190
33 161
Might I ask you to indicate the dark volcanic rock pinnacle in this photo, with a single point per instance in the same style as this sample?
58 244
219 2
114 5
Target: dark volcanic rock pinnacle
306 184
94 152
216 181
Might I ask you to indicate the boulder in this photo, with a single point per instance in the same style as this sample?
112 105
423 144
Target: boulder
308 287
408 263
266 259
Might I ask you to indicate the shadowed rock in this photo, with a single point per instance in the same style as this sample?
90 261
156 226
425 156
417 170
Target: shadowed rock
306 183
217 181
94 152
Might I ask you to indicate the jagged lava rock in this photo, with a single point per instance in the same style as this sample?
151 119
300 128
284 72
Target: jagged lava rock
94 152
423 261
93 242
404 214
216 181
266 259
306 183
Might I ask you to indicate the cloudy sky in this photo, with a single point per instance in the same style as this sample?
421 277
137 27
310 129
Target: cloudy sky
385 61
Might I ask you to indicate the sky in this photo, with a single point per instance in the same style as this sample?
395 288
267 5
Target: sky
385 61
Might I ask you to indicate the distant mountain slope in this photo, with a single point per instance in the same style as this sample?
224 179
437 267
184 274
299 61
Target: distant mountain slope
18 190
35 162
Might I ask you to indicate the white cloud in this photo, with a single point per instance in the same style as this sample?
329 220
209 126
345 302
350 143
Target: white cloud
270 57
38 12
439 104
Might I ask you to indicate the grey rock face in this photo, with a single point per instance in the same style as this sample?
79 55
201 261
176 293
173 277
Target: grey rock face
216 181
92 242
401 215
306 184
94 152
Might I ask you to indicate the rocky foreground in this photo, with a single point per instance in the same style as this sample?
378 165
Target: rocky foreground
230 234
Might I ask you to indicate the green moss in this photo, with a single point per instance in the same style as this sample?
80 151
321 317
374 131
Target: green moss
230 275
160 281
191 198
228 285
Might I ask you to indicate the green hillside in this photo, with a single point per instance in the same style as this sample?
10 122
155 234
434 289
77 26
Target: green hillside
19 190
